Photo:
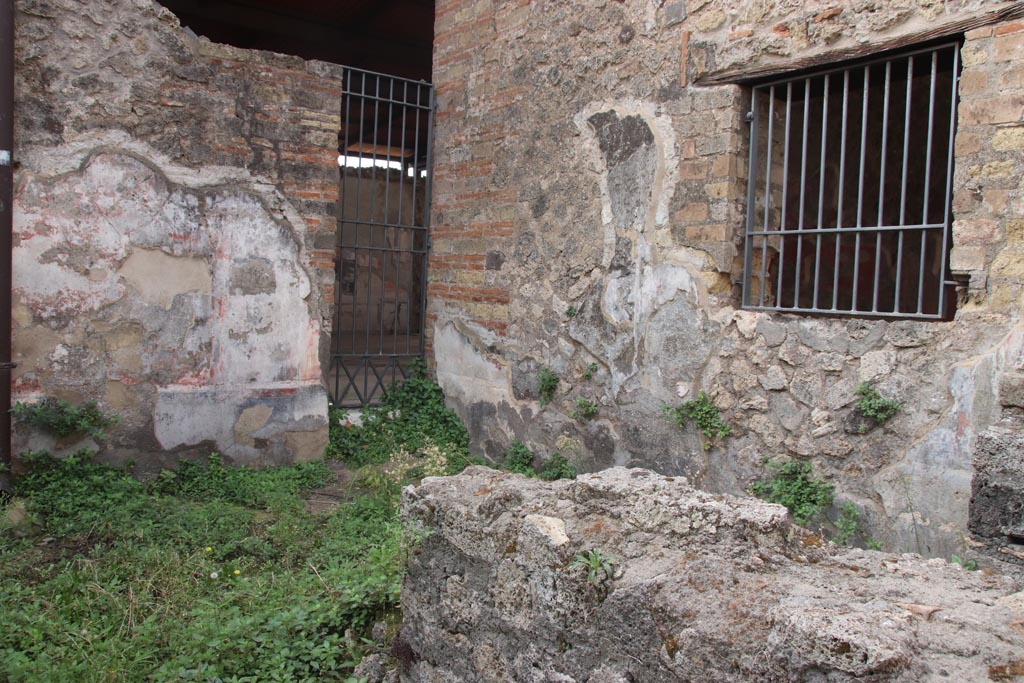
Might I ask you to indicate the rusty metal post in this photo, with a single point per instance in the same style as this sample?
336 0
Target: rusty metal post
6 219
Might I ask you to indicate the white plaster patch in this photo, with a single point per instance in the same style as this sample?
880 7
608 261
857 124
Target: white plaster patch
551 528
617 302
464 373
935 472
158 277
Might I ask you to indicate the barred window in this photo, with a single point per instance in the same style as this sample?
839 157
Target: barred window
849 190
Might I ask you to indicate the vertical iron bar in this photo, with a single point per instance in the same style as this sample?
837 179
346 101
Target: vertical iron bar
426 215
401 177
954 79
387 154
860 184
401 209
340 234
371 229
785 188
842 179
767 194
803 188
821 188
358 217
927 181
339 238
903 183
415 180
751 197
881 185
6 226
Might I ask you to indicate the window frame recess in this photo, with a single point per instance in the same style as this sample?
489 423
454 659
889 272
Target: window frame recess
863 154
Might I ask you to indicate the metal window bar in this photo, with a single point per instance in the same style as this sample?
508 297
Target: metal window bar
879 131
382 244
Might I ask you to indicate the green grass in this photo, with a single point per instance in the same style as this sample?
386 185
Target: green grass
212 574
215 573
412 419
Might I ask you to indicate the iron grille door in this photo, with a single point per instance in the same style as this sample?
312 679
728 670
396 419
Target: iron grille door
384 216
849 190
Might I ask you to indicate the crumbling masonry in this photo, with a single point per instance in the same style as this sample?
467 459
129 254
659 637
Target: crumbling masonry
176 244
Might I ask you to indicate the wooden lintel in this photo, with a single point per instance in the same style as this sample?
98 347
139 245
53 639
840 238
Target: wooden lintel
747 74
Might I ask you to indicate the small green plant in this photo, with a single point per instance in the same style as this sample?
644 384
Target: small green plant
872 405
63 419
557 467
589 370
969 565
547 383
791 485
600 567
873 544
519 459
412 418
584 409
704 414
847 524
571 312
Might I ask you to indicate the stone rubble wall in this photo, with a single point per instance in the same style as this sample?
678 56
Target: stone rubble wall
703 588
174 230
589 209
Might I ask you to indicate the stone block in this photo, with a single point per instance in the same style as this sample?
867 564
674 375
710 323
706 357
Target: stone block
1001 109
1011 390
964 259
997 488
497 568
1010 138
1008 47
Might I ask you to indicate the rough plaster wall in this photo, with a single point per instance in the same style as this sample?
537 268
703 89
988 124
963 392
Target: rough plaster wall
174 208
636 223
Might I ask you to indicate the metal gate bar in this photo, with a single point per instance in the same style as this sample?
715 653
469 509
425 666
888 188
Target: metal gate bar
827 152
384 159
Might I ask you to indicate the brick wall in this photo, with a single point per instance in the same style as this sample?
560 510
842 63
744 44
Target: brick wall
590 197
175 220
988 233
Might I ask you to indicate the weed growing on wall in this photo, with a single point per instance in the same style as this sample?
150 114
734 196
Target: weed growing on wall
704 414
599 566
584 409
412 419
519 459
589 370
547 383
63 419
792 485
209 574
847 523
556 467
873 405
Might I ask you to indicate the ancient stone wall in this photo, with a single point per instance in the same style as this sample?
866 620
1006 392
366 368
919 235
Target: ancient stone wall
589 211
676 585
174 229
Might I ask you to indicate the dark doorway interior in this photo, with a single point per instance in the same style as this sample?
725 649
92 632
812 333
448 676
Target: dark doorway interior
390 36
383 162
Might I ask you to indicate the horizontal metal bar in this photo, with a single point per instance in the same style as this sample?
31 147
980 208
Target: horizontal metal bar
859 64
393 250
337 360
846 231
388 100
397 226
414 81
865 313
